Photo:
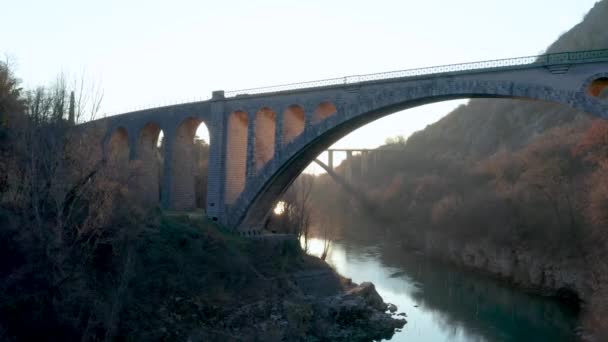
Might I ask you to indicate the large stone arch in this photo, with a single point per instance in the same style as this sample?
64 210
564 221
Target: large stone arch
596 86
237 189
117 153
323 111
294 121
202 152
265 127
236 155
183 164
261 193
149 161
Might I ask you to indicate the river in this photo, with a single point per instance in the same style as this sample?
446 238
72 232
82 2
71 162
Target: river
445 303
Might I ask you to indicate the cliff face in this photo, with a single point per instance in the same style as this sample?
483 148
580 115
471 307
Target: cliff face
482 127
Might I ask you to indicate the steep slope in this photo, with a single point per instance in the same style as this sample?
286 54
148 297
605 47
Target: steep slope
483 127
513 188
589 34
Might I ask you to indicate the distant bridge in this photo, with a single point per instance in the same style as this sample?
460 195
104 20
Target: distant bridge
366 158
261 139
366 154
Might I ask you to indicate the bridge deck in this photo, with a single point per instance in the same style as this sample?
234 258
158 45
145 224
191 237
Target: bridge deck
553 61
363 150
546 60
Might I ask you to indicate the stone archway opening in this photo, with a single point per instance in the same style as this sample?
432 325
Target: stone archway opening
200 154
265 127
160 158
236 155
294 119
118 151
599 88
323 111
150 163
189 166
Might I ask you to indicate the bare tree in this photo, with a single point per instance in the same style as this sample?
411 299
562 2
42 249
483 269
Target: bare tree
296 210
88 99
327 226
57 186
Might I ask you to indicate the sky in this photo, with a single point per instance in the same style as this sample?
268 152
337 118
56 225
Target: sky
150 53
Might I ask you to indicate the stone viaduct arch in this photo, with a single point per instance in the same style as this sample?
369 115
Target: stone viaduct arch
261 139
293 123
170 182
265 132
118 147
236 154
148 182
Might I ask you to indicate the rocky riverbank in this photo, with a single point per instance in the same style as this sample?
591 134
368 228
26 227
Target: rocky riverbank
570 279
566 278
356 314
307 302
183 278
223 287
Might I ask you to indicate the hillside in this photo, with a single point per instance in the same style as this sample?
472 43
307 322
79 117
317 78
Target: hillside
513 188
483 127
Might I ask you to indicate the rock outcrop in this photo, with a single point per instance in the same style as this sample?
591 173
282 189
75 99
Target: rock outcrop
357 314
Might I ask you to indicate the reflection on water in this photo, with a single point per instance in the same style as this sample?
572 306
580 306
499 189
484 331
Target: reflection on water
443 303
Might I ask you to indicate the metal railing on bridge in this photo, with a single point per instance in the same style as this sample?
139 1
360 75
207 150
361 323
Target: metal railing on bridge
528 61
552 59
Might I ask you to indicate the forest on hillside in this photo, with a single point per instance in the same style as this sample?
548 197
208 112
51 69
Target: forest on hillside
517 182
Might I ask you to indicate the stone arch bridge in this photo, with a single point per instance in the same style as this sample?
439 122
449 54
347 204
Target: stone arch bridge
262 139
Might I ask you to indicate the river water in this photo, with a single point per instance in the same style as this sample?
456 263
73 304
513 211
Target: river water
445 303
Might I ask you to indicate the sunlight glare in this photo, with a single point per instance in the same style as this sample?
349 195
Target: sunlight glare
279 208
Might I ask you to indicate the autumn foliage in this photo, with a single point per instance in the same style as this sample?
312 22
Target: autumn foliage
548 198
593 146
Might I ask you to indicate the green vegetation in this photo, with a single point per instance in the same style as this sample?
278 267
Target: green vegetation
169 277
